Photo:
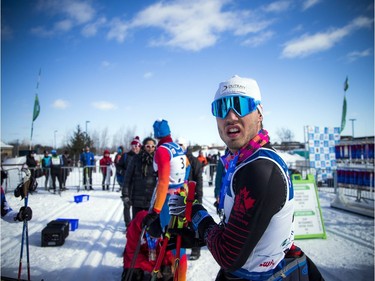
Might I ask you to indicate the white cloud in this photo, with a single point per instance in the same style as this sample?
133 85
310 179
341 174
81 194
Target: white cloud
64 25
353 56
91 29
259 39
106 64
41 31
322 41
309 3
79 11
104 105
194 25
189 25
277 6
148 75
60 104
252 27
118 30
70 13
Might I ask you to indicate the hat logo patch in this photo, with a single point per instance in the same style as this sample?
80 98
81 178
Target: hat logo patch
234 87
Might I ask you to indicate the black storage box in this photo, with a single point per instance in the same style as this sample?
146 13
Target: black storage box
54 233
59 223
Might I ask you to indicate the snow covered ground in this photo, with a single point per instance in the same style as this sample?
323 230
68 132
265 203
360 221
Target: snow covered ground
94 251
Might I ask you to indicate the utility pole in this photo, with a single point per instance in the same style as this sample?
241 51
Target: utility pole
352 126
54 133
86 127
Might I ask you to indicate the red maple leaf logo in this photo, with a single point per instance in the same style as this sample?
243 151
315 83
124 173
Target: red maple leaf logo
243 201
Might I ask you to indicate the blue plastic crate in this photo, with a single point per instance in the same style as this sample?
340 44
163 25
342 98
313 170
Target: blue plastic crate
72 222
81 198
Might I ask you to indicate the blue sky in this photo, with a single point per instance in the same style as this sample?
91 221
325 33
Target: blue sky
123 64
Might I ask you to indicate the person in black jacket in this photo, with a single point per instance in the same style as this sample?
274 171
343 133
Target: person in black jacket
124 162
66 169
194 175
118 166
140 178
31 163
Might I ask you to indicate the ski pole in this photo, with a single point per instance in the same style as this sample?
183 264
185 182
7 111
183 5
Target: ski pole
114 181
163 249
25 230
177 258
27 246
129 273
21 253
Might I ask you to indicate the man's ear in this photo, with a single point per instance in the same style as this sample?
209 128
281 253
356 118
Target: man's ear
260 118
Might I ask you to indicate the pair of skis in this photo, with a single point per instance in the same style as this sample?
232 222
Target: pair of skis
25 231
174 223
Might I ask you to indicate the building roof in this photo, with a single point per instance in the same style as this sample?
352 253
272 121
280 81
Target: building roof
4 145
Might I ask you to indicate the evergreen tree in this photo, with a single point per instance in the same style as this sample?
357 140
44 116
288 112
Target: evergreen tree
78 142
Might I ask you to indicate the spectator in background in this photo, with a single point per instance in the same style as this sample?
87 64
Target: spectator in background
56 170
31 162
46 166
105 167
125 160
66 169
202 159
140 178
88 162
119 176
212 162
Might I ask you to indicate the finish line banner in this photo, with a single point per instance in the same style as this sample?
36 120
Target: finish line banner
308 220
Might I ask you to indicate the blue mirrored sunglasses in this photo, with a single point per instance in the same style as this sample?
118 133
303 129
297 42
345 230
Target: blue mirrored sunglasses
241 105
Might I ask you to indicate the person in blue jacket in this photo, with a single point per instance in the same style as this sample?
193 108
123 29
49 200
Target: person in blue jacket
46 166
88 162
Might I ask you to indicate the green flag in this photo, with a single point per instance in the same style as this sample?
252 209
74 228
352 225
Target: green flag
343 117
36 108
346 84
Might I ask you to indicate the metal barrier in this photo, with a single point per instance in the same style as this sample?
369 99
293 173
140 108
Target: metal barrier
74 178
345 192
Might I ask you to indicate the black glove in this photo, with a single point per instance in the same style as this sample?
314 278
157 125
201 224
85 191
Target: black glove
126 201
188 238
219 211
201 220
149 218
25 213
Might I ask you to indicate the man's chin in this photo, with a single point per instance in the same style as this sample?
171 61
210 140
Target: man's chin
234 144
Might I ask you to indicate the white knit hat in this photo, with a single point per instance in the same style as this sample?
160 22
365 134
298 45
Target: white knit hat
238 86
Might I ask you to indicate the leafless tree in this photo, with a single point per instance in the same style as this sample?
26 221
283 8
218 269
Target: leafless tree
123 137
285 135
